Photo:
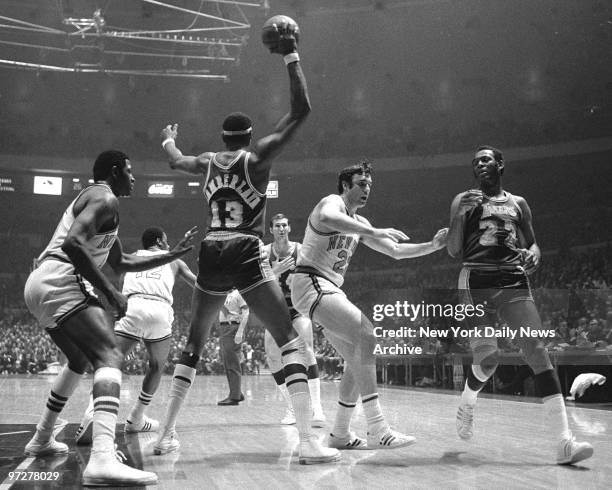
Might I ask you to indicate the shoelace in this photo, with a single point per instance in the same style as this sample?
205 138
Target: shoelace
121 457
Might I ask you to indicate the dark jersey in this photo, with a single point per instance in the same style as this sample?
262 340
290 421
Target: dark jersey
234 203
491 232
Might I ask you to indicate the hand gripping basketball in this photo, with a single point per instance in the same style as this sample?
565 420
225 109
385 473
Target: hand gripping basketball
280 34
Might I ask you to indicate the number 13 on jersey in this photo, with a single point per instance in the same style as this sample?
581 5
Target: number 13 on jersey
226 214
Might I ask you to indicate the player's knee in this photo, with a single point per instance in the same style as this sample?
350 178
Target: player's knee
156 366
487 358
537 357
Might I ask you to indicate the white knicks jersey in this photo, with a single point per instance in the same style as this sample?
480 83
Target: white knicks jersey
158 281
326 253
98 245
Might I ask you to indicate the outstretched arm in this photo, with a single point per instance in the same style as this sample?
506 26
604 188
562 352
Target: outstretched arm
184 272
269 146
407 250
330 214
122 262
193 165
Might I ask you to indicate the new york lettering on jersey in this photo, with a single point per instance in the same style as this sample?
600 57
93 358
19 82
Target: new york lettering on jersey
327 254
98 245
492 232
234 203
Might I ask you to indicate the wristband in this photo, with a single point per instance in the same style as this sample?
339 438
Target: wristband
166 141
291 58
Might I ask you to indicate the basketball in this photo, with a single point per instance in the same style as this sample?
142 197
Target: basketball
269 32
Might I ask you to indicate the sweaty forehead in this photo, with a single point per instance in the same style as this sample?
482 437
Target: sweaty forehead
483 153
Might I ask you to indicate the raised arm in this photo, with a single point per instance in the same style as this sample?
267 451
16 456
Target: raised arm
270 145
193 165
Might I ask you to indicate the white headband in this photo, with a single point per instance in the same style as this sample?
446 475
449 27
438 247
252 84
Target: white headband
237 133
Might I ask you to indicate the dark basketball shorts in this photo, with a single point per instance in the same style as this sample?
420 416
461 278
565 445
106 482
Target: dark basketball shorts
232 260
493 288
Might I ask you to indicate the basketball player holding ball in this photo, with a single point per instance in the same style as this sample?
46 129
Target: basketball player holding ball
231 254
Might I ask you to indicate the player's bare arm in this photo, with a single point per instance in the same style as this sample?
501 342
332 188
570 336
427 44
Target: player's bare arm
331 216
193 165
266 148
122 262
402 250
95 212
533 255
461 205
184 272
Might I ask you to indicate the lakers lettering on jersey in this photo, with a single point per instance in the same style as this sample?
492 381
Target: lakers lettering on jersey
234 203
492 232
158 281
327 254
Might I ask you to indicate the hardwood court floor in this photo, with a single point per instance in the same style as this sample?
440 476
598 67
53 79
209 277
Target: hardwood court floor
245 447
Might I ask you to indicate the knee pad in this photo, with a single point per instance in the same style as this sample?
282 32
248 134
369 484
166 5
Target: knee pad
294 352
274 363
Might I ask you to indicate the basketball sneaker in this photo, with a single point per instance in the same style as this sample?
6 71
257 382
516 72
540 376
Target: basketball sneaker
569 451
289 417
145 425
465 421
318 418
349 441
37 448
84 433
389 439
104 469
167 443
313 452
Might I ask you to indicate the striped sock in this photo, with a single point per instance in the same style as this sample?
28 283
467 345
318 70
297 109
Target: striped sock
63 387
106 390
144 399
373 413
297 385
342 424
181 382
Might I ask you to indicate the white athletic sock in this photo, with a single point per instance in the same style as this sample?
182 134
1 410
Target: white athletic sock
285 392
63 387
181 382
107 386
302 408
297 384
373 412
469 396
556 415
342 423
314 385
137 413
